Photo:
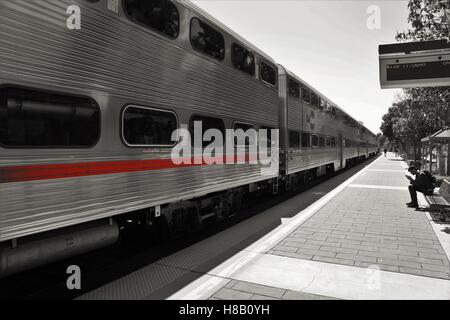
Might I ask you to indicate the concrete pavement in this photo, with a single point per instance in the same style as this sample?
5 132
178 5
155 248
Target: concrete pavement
360 241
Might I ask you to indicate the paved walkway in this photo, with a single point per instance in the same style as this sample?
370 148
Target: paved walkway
240 290
369 224
359 241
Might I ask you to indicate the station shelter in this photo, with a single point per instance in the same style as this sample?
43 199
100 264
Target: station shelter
435 152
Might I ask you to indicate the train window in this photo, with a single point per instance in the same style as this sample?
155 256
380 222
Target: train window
207 123
314 140
333 112
322 104
306 94
328 141
337 114
314 99
294 88
243 59
37 119
268 74
250 137
294 139
333 142
159 15
207 40
321 141
306 140
243 126
144 127
350 122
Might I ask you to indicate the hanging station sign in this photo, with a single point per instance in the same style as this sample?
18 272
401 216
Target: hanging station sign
415 64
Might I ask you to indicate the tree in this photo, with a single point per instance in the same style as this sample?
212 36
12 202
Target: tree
428 21
381 139
416 115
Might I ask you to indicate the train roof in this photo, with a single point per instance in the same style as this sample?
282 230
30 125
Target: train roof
209 18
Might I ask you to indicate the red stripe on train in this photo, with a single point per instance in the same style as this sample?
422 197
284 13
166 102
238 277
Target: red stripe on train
73 170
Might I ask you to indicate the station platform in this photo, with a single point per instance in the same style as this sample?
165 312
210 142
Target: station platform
356 241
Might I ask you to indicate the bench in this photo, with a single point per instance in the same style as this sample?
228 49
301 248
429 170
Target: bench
438 202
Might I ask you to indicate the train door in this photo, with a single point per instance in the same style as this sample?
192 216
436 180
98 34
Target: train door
341 149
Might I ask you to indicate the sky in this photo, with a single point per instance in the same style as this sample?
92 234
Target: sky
325 42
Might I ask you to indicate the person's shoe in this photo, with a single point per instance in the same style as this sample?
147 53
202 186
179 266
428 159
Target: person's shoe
413 205
409 203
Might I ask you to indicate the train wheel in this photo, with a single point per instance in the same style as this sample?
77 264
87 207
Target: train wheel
227 211
223 212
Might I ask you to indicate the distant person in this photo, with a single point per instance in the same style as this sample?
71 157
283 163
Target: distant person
424 183
385 152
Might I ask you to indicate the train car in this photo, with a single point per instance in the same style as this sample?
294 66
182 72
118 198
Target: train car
88 111
311 130
87 115
317 136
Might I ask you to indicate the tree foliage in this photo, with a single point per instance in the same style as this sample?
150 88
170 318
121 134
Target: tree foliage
428 21
420 111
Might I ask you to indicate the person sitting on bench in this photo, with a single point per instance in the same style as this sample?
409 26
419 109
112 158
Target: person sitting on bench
422 183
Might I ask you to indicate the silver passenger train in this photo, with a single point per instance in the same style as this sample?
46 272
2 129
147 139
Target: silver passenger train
87 113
